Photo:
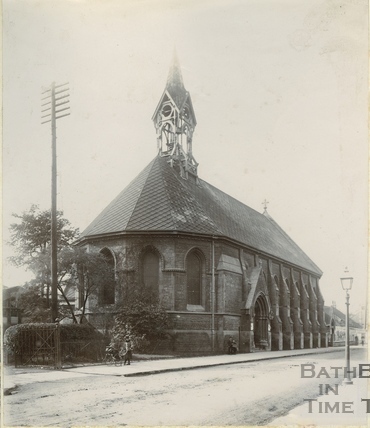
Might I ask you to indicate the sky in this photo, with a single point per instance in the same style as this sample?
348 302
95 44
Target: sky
279 89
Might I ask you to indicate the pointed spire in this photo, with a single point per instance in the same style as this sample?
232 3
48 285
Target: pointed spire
175 84
174 79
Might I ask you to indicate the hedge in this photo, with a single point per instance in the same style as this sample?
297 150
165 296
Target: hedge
68 333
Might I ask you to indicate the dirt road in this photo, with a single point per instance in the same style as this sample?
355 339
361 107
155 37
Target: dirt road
241 394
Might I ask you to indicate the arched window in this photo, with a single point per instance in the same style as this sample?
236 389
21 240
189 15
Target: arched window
193 281
108 290
289 302
299 302
150 273
279 295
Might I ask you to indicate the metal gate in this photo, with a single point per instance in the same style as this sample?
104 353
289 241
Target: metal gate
39 347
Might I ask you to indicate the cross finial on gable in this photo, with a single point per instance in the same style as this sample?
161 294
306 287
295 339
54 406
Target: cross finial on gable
264 203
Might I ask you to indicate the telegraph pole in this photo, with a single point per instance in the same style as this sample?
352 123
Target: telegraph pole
54 98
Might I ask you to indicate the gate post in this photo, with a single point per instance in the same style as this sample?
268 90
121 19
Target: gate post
58 351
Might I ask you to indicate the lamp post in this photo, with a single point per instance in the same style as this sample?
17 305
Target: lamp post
347 285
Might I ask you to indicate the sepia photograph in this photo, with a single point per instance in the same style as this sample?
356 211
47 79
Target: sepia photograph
185 213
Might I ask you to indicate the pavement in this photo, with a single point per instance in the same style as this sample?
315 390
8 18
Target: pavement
15 377
320 411
142 368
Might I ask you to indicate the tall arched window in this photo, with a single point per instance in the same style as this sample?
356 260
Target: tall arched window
151 271
108 290
194 276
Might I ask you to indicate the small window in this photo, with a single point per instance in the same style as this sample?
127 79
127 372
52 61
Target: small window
194 274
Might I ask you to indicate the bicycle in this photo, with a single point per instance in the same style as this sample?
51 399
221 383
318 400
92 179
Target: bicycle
112 357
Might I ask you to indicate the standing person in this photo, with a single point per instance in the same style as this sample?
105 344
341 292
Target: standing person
128 351
229 345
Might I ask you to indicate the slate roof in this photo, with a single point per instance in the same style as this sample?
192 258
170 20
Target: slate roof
158 199
339 317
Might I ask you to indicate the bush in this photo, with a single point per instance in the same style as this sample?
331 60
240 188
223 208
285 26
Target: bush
81 343
143 318
79 332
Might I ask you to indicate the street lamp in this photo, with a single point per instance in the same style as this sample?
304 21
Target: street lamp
347 285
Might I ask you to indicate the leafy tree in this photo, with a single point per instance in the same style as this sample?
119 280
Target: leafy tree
77 269
87 272
30 237
141 317
34 307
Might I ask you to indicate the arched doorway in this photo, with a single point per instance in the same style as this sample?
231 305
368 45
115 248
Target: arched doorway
261 323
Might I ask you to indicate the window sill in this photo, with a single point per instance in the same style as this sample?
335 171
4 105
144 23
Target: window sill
195 308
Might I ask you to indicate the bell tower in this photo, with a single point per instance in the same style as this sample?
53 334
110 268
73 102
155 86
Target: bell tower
174 121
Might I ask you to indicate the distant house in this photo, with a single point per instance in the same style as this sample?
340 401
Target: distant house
11 313
70 293
336 321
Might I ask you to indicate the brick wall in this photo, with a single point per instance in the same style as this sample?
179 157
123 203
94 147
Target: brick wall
190 321
192 330
233 292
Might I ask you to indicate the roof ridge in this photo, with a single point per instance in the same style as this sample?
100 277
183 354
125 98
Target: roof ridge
282 231
229 196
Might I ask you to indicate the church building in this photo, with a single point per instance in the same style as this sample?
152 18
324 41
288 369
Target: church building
220 268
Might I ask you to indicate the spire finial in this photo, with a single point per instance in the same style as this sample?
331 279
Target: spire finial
264 203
